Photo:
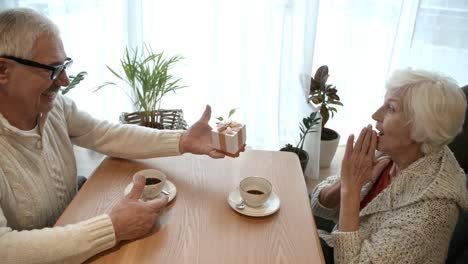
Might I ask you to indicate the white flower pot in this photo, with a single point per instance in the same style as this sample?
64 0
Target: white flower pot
327 151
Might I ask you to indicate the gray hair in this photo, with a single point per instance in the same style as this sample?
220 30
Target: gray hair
434 105
19 30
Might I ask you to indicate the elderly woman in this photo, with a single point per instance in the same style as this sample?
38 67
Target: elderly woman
403 206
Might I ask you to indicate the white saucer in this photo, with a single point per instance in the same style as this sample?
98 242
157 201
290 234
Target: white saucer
270 207
168 187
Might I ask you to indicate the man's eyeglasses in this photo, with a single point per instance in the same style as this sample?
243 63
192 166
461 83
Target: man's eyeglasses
56 70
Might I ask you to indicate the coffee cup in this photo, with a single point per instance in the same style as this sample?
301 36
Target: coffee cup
255 191
154 183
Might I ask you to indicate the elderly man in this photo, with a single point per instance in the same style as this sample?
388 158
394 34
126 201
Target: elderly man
38 128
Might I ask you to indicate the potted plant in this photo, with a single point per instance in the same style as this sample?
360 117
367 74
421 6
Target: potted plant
325 97
306 127
220 119
148 75
74 81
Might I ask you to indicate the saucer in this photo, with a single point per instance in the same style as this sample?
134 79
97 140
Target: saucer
168 187
271 206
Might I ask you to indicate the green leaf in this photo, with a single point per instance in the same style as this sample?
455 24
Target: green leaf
104 85
74 81
314 86
334 97
114 72
316 100
323 83
325 115
334 102
323 95
321 73
306 127
148 75
331 91
232 112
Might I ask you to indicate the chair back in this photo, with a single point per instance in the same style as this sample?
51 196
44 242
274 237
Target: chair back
459 145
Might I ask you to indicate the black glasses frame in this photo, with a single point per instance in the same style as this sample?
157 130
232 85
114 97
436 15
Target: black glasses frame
56 70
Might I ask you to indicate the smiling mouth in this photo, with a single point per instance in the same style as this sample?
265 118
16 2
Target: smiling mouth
49 93
52 91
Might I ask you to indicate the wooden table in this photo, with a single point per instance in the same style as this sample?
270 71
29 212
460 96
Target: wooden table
199 226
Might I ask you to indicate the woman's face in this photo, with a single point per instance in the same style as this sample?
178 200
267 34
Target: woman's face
394 128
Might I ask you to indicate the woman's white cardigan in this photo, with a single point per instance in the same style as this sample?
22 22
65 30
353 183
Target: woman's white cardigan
410 221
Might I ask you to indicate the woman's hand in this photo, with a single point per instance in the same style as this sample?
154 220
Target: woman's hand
197 139
358 165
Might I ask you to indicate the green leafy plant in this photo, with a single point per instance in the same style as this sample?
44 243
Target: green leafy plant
148 75
324 96
306 127
221 119
74 81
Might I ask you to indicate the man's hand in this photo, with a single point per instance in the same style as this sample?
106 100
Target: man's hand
132 218
197 139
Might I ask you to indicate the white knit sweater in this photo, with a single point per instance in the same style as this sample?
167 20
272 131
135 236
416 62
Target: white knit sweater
410 221
38 181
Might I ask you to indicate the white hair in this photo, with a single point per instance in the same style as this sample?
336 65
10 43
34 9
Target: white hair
434 105
19 30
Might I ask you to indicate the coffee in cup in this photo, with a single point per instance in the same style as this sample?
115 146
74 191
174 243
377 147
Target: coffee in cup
154 183
255 191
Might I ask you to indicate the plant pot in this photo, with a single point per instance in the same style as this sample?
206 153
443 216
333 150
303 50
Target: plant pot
328 147
160 119
301 154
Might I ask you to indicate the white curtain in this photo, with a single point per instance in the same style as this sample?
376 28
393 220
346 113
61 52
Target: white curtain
245 54
363 41
256 55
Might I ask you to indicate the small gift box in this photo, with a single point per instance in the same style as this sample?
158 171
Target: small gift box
229 138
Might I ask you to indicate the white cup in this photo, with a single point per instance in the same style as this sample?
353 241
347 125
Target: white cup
154 183
255 191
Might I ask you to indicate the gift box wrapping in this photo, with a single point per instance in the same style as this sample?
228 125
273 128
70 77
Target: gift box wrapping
230 140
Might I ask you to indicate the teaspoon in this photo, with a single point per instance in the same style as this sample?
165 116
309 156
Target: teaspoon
240 205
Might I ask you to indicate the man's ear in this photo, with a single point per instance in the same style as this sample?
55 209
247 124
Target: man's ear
4 69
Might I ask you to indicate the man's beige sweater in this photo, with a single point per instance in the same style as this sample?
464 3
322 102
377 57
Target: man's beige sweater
410 221
38 181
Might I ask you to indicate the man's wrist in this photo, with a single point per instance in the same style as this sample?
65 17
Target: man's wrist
182 142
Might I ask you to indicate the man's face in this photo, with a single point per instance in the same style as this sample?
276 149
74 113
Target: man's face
31 88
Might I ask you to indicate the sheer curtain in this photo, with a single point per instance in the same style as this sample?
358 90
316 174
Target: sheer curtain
363 41
240 54
256 55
